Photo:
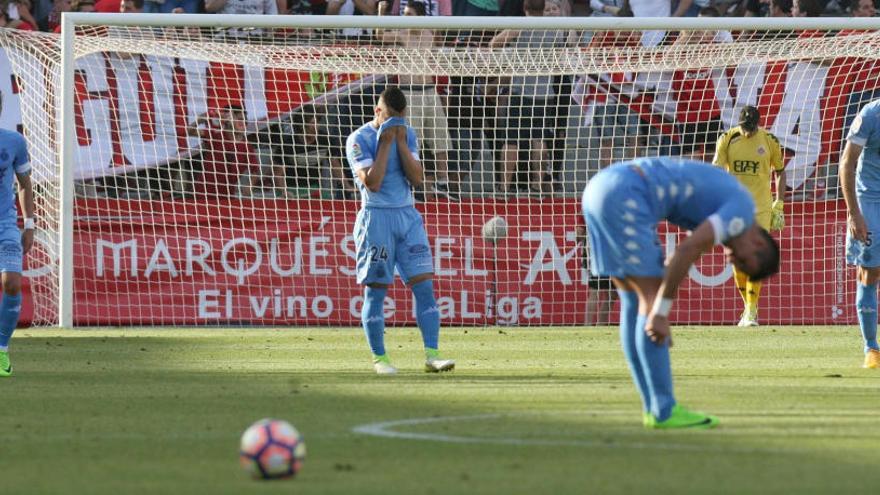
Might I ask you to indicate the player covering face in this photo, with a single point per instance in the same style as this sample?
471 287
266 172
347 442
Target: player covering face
622 207
389 232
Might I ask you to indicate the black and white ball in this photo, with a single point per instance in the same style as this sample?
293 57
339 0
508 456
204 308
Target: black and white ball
495 229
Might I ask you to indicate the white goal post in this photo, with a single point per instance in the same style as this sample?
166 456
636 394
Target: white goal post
146 243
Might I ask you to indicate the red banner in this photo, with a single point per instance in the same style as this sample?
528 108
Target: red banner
292 263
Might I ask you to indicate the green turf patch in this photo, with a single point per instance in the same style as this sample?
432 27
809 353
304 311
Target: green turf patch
526 411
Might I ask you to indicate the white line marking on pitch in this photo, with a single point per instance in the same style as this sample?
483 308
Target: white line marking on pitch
385 429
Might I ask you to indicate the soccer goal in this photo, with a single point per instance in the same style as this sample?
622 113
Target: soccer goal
191 170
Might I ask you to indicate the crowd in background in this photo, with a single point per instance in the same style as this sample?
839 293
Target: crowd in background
519 125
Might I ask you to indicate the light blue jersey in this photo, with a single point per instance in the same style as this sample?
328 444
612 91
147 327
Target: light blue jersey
389 232
361 148
624 204
865 132
13 160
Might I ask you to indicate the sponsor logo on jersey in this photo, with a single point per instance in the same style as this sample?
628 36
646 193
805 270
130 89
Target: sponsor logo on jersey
745 167
761 150
736 226
356 152
856 125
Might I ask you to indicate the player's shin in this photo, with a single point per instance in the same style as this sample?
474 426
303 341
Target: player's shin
629 309
10 308
866 309
741 280
658 371
427 314
373 319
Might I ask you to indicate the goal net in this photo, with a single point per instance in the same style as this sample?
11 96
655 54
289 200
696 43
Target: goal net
211 184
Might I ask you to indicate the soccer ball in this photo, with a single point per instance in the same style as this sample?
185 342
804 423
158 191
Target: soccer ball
494 229
271 448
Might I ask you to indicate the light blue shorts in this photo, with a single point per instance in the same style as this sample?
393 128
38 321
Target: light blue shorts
11 253
860 253
386 238
622 229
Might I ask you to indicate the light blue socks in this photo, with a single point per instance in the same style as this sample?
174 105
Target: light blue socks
427 313
866 309
10 308
373 319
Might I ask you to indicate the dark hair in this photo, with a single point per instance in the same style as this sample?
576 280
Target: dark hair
535 7
394 98
813 8
138 4
768 259
783 5
749 117
419 7
710 11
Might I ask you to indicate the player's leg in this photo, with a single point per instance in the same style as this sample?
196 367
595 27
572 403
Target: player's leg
866 309
741 281
416 266
666 413
10 306
753 289
865 256
629 311
375 272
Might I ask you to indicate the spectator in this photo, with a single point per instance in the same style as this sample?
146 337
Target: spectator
529 98
238 7
433 8
476 8
780 8
864 8
606 8
352 7
559 108
807 8
18 15
169 6
226 152
424 109
698 113
6 23
71 6
602 294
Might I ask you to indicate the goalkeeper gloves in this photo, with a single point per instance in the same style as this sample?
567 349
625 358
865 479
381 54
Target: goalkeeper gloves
777 216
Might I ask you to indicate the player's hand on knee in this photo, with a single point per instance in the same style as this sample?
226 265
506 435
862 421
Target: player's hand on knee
658 330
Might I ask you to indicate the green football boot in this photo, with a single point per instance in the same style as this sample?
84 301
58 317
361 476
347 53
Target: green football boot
682 418
5 365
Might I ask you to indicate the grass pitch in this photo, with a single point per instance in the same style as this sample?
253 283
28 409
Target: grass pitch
528 411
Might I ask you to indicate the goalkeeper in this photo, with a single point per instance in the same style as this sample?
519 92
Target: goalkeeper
750 153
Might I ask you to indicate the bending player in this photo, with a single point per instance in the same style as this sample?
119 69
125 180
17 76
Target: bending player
389 232
750 153
14 244
622 206
860 180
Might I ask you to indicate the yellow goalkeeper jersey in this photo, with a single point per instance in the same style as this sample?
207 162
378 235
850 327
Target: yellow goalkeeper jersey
751 159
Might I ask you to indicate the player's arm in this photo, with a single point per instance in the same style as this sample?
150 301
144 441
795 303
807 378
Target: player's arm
25 195
850 157
720 159
373 175
412 167
689 251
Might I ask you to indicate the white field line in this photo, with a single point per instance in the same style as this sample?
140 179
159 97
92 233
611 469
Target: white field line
387 429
